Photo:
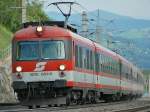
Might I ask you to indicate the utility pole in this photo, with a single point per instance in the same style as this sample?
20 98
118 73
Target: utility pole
109 41
24 7
84 24
98 28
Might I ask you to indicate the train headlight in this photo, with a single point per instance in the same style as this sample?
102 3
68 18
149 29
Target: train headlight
39 29
18 68
62 67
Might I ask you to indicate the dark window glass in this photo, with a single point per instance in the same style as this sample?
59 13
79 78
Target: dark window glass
88 59
97 62
80 58
52 50
34 50
28 50
91 60
76 56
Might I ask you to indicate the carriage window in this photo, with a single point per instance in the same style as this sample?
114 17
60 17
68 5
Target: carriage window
97 62
76 56
88 61
80 57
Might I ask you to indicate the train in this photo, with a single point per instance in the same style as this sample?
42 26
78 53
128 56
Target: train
55 65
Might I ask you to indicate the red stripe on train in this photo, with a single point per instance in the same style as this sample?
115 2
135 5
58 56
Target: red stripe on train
98 86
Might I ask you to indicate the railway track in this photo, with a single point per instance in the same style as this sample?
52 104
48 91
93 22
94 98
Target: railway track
123 106
145 108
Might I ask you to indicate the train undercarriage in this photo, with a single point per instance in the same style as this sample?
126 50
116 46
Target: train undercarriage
57 94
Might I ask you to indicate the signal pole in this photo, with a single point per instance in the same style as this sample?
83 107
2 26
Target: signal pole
24 7
84 24
98 28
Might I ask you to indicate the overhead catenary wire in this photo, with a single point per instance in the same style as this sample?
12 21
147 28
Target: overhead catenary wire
79 12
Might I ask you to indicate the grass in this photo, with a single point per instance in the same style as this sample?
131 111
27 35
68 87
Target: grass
5 37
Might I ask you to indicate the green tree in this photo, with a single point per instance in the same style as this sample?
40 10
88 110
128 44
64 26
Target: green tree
35 12
11 17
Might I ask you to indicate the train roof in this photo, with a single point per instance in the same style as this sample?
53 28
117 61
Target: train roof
50 23
93 43
114 55
82 39
106 50
125 61
48 31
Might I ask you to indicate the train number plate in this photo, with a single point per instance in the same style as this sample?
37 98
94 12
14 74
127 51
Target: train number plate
41 74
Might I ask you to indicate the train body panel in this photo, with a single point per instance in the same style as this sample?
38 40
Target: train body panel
43 76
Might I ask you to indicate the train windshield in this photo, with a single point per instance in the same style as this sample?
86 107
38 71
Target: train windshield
28 50
52 50
34 50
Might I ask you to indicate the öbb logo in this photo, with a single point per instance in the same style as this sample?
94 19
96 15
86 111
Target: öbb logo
40 66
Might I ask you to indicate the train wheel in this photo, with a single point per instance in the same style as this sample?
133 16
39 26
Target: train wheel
107 98
68 99
114 97
83 101
91 97
30 107
49 105
37 106
118 98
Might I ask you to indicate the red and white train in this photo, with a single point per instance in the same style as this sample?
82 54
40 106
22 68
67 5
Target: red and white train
59 66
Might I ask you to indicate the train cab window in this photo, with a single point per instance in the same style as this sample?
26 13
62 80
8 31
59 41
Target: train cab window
34 50
25 48
52 49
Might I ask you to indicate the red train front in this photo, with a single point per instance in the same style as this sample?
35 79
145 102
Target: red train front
42 61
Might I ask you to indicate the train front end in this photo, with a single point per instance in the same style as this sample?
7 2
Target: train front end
41 62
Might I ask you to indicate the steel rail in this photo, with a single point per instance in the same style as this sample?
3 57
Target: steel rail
73 107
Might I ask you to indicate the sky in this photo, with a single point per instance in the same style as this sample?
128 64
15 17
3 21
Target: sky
133 8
